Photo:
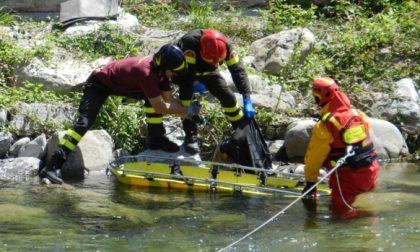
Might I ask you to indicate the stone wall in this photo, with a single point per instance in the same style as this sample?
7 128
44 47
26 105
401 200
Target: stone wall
32 5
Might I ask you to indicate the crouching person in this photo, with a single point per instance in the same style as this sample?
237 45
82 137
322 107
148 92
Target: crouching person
143 78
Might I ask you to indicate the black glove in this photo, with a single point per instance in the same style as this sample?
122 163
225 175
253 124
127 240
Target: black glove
198 119
307 187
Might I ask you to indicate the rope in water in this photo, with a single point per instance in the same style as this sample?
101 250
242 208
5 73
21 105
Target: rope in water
340 162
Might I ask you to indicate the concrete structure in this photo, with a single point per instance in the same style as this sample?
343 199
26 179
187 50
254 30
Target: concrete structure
32 5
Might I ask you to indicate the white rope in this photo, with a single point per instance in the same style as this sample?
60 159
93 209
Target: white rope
341 193
340 162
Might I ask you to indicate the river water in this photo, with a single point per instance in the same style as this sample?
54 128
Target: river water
102 215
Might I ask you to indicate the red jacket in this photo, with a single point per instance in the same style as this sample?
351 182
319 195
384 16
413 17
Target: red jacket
133 77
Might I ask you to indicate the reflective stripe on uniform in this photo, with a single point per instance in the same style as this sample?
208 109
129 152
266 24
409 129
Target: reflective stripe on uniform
231 109
202 74
66 143
152 117
149 110
232 61
354 134
325 117
182 66
233 113
328 117
235 118
154 120
73 134
185 103
190 60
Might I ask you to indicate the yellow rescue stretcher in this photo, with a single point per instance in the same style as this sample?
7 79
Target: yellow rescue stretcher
205 176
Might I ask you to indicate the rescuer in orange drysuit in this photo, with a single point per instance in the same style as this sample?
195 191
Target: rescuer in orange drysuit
340 126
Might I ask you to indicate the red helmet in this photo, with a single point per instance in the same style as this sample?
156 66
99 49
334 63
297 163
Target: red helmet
324 89
213 47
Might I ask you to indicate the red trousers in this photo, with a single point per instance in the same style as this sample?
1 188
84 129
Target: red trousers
351 182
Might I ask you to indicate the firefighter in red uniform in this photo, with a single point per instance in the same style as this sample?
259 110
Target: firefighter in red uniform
340 126
142 78
205 50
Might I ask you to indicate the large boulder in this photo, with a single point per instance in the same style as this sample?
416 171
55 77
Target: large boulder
19 169
264 94
401 107
94 152
297 138
273 52
388 140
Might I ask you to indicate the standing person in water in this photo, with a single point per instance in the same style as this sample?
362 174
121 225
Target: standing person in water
340 126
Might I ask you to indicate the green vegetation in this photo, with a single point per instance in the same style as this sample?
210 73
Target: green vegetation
10 55
108 40
7 17
122 122
367 45
31 93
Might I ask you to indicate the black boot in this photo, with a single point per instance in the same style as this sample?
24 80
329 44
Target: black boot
191 144
52 171
162 143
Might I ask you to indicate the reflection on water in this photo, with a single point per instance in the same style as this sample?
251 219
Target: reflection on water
102 215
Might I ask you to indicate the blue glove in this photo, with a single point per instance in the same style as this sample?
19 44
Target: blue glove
199 88
248 108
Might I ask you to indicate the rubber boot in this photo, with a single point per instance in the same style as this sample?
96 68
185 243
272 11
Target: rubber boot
191 144
52 171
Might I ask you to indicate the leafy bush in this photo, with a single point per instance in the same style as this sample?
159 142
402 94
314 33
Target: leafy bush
214 130
10 55
122 122
7 16
107 41
283 15
31 93
151 13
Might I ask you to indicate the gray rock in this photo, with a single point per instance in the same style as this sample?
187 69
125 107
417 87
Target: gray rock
297 138
94 152
3 117
35 148
23 169
6 140
388 140
275 51
24 123
407 88
14 149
